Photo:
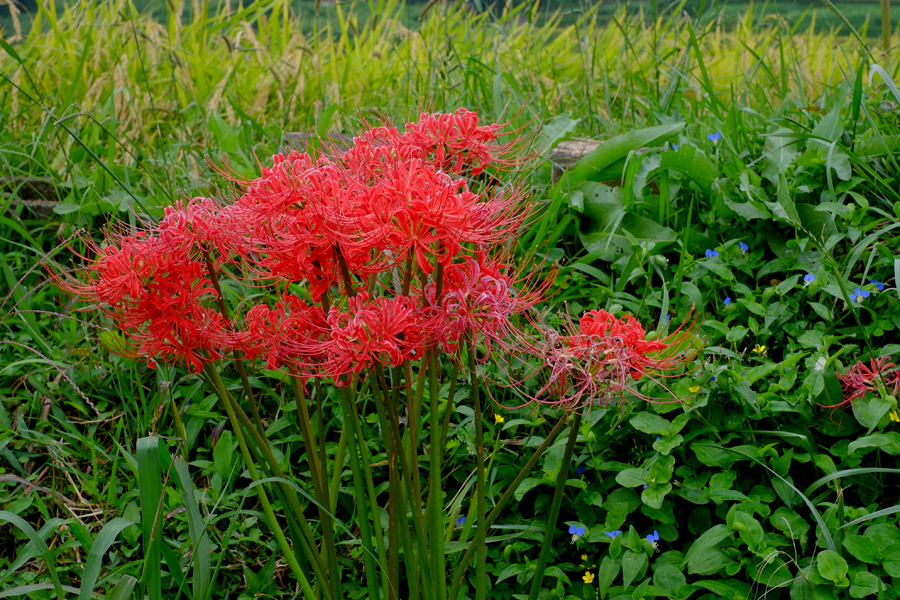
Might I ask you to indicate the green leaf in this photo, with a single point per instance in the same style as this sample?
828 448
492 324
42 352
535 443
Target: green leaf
634 564
862 548
668 578
123 589
891 560
616 149
665 444
151 490
555 130
749 529
782 152
631 477
103 541
708 539
864 584
609 570
731 589
655 494
39 544
832 567
888 442
650 423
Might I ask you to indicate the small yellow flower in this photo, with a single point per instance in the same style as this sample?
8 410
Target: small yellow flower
498 419
694 389
894 416
584 557
759 349
588 577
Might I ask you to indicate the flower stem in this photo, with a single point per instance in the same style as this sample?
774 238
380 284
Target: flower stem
308 593
481 532
320 486
554 507
501 504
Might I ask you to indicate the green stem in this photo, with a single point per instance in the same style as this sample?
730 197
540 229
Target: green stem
320 486
481 532
501 504
554 507
272 522
363 511
435 502
307 541
373 501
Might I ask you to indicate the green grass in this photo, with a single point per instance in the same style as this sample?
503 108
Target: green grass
119 112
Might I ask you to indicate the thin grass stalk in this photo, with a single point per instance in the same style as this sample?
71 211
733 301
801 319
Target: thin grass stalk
319 487
308 542
269 514
412 561
481 533
363 509
501 504
554 507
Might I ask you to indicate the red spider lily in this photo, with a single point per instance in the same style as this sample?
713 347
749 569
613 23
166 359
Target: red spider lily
383 331
596 364
860 379
480 298
281 332
159 295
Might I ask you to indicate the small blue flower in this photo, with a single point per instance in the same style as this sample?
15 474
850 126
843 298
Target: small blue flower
744 247
668 318
576 532
878 284
727 300
859 294
580 470
461 520
713 378
653 538
711 253
714 137
676 146
646 486
657 439
808 279
613 534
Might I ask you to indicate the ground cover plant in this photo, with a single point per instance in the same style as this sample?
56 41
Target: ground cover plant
747 180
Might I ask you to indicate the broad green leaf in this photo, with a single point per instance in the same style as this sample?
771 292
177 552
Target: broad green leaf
749 529
668 578
730 589
555 130
609 570
617 148
650 423
655 494
665 444
634 564
707 540
888 442
103 541
864 584
862 548
832 567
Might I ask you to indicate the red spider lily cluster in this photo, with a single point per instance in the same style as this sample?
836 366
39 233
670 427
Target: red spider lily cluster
599 360
377 255
861 378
